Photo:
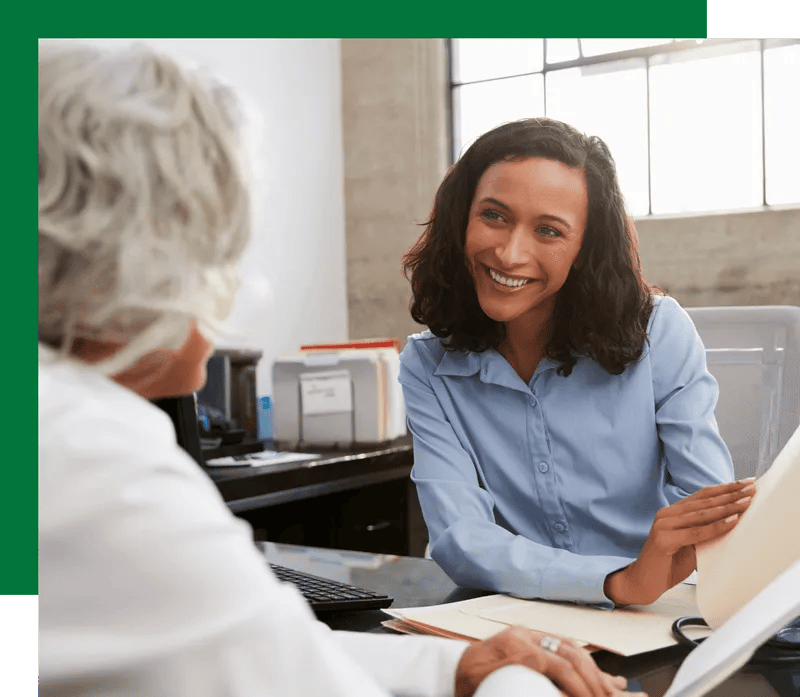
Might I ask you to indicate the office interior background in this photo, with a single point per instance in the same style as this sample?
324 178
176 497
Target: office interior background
356 135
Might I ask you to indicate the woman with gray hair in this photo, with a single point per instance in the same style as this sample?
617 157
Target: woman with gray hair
148 585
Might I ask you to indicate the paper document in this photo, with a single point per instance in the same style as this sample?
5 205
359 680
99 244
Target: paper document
627 630
326 392
765 542
453 620
261 459
730 646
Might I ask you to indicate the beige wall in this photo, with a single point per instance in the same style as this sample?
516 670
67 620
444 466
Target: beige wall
744 258
395 141
394 96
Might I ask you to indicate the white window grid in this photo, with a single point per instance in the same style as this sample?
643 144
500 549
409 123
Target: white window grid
652 56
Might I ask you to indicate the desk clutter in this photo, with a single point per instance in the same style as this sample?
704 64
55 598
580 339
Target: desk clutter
260 459
227 410
338 394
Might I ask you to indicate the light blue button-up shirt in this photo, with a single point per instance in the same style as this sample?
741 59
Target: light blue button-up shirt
541 490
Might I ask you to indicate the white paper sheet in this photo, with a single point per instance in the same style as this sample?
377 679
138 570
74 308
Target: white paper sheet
327 392
260 459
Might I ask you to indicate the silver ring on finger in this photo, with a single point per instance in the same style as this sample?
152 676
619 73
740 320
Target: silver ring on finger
550 643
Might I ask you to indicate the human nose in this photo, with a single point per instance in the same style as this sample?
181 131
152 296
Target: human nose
515 249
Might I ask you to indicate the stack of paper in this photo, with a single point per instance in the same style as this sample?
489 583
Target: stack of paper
626 630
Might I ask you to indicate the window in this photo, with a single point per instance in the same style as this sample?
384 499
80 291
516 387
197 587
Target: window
693 125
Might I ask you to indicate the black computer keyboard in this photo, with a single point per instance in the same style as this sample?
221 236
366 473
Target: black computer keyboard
324 594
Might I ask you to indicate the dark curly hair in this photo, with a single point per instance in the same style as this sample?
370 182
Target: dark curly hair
603 307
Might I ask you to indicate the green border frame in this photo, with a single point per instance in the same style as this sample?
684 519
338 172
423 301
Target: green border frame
363 18
18 497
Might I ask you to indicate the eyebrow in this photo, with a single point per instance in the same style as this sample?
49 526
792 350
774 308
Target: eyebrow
494 201
502 205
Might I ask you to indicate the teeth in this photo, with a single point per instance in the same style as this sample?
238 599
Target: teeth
506 281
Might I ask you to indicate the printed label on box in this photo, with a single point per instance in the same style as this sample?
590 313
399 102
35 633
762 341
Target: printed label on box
328 392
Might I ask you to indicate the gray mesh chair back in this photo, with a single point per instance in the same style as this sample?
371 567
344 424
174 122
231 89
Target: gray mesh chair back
754 353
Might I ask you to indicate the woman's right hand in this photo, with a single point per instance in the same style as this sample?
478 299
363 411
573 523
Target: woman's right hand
668 555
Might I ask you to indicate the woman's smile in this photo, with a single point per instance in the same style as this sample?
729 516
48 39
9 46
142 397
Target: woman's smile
507 281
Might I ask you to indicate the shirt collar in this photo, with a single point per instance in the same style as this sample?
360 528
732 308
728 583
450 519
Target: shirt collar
490 365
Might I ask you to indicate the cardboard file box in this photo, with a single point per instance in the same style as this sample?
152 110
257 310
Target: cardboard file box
337 398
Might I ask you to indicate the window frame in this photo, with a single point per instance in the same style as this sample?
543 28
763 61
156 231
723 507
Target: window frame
647 53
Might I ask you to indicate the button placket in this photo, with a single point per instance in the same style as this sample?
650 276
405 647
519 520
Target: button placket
541 457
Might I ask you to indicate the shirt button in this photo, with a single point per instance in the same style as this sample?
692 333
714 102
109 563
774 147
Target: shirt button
559 527
543 467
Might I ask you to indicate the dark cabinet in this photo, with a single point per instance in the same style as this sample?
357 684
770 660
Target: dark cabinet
382 518
361 499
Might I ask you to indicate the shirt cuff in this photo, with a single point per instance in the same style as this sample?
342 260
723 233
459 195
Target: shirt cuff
406 665
516 680
584 583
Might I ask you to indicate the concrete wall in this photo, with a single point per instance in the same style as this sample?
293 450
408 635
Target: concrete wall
394 101
743 258
394 98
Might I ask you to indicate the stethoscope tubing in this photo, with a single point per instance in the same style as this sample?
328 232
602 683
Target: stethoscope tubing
774 650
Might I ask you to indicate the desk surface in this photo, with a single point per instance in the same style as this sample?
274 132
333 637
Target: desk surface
415 582
247 488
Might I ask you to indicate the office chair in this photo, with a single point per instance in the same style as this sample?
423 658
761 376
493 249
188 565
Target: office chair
754 353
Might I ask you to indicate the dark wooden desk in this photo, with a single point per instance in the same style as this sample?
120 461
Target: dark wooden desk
360 499
415 582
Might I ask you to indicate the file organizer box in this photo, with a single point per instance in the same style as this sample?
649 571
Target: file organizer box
337 398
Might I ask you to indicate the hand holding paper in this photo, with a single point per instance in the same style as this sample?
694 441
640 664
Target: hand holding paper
668 555
747 581
765 542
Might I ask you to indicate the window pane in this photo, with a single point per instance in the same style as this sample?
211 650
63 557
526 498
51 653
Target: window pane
705 131
561 50
609 101
480 107
481 59
596 47
781 78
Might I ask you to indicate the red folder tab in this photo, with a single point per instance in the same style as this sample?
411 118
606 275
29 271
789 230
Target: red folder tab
359 344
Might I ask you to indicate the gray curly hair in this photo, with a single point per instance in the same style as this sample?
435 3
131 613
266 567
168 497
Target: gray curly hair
143 207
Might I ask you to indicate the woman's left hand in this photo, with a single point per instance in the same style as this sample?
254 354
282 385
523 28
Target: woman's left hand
668 556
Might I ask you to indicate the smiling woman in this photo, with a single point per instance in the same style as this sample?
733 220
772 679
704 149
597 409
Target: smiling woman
524 234
605 307
554 388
